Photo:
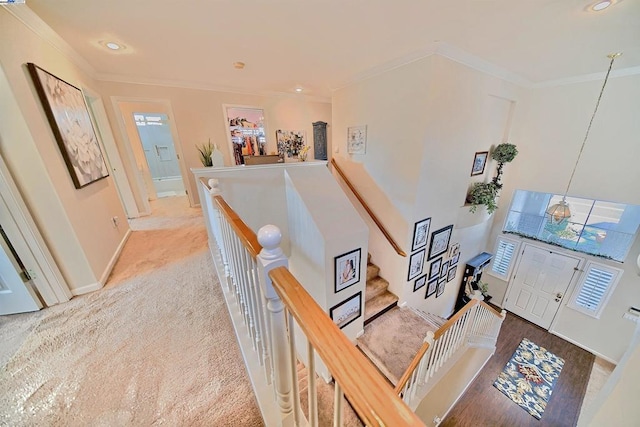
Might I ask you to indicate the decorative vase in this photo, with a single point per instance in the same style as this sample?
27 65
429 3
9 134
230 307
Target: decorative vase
302 157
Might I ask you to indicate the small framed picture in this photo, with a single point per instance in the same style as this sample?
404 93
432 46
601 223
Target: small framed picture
347 269
479 162
440 288
431 287
434 272
420 234
440 241
444 270
420 282
453 261
347 311
415 264
452 273
357 140
454 249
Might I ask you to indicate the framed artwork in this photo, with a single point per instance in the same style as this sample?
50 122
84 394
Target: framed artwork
454 260
479 162
357 140
440 289
431 287
68 116
444 270
246 131
347 269
420 282
454 249
440 241
347 311
290 142
452 273
415 264
434 272
420 234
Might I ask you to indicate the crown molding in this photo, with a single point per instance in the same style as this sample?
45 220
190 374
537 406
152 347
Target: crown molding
443 49
622 72
32 21
183 84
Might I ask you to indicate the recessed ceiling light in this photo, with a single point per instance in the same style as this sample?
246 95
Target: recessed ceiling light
113 46
601 5
238 65
299 89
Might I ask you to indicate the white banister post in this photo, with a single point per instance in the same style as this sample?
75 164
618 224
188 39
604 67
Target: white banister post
216 227
270 257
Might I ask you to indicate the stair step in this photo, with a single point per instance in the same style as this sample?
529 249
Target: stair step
375 287
372 271
379 305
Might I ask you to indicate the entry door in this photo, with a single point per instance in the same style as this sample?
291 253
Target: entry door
14 295
540 284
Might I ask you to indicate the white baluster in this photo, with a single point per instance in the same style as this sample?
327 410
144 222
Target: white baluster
216 230
270 257
337 406
311 386
424 363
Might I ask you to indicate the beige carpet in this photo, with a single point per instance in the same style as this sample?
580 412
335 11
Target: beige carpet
392 341
155 347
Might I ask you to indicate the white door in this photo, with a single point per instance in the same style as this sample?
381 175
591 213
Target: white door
14 295
540 283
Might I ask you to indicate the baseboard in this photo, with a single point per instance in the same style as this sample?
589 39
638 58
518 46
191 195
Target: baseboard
114 258
87 288
584 347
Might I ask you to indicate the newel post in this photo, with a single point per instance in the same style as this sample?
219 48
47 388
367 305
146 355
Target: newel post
270 257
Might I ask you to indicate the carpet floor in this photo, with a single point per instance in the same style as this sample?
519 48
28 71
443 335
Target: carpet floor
156 346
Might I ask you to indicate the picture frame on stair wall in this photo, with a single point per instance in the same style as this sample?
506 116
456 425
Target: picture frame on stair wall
347 269
452 273
420 234
431 288
346 311
420 282
440 241
440 288
416 262
434 272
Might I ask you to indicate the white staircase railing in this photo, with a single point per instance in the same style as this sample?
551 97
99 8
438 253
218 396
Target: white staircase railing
264 301
476 325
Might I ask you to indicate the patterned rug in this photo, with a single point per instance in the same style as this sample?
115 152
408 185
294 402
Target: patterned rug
529 377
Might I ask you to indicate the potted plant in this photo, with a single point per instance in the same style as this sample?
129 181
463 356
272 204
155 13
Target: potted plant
485 193
205 151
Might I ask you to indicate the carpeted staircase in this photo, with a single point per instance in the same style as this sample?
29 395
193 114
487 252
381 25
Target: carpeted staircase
392 335
377 300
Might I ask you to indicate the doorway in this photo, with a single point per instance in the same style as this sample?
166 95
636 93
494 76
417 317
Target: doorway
160 152
540 283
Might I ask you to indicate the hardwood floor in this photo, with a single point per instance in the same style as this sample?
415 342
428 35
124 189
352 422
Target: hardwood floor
485 405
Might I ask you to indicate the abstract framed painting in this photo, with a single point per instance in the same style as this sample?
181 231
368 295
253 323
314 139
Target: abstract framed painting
68 116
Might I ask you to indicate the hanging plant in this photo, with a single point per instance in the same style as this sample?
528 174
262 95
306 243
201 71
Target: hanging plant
485 193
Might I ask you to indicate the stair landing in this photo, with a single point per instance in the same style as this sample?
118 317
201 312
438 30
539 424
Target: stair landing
378 300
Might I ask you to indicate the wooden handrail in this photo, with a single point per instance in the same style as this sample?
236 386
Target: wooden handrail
437 334
368 392
412 367
246 235
366 207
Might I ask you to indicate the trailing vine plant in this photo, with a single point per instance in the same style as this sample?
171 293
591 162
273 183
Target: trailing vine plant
485 193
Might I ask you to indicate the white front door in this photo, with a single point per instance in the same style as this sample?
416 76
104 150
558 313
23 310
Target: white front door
540 282
14 295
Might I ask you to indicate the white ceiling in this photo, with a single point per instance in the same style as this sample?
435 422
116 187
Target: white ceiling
324 44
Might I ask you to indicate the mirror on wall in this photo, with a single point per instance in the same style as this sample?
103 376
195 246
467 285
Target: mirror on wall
246 132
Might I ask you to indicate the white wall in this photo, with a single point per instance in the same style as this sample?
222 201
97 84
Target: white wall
425 121
549 132
76 223
199 117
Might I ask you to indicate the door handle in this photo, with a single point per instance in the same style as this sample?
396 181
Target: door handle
559 296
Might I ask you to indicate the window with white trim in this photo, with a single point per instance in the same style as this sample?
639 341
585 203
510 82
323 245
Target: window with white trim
594 288
505 255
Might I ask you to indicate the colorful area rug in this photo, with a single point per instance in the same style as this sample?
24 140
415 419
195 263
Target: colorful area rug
529 377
